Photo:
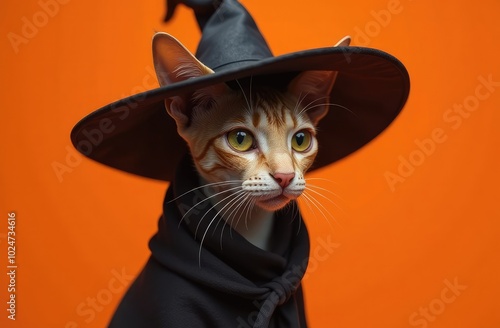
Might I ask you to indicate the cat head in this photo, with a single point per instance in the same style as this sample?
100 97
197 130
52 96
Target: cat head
256 140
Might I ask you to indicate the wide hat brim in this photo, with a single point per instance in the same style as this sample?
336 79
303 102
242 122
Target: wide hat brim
136 134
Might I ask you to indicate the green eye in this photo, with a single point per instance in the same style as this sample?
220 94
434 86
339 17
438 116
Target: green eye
240 140
301 141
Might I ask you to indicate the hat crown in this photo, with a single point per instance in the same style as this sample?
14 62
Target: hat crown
370 91
230 38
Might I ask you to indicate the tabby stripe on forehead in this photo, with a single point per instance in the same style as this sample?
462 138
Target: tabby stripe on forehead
274 117
294 119
256 118
283 114
207 147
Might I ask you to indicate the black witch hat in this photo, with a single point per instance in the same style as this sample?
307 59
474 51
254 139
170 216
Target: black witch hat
136 134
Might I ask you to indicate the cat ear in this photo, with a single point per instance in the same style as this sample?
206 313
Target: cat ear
313 88
344 42
174 63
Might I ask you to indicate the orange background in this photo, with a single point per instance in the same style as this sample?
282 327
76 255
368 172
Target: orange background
397 246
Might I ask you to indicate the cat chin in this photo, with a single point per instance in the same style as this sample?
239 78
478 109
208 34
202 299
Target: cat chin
273 204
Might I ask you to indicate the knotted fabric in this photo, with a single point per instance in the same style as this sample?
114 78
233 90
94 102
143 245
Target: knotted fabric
224 282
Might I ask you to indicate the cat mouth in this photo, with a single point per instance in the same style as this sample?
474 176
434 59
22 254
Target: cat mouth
274 203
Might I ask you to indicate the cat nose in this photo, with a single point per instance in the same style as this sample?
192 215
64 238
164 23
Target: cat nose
283 179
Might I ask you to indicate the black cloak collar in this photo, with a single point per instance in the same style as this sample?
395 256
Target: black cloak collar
263 287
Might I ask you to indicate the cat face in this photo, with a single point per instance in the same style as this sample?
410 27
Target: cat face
266 146
258 143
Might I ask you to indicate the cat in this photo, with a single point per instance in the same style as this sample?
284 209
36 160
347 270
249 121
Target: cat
251 147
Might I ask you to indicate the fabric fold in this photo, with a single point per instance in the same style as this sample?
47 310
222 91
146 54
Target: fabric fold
227 281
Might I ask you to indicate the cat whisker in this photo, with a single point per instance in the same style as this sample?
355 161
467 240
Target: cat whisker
310 185
323 179
320 190
213 184
226 218
240 208
234 201
233 194
328 104
315 209
299 101
251 204
334 218
308 188
314 202
207 198
314 104
247 209
310 105
307 201
297 214
246 204
213 219
322 209
343 107
249 103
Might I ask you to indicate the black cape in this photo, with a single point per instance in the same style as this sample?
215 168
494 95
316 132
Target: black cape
230 283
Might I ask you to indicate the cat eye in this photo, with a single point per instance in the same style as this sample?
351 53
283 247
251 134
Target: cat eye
301 141
240 140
